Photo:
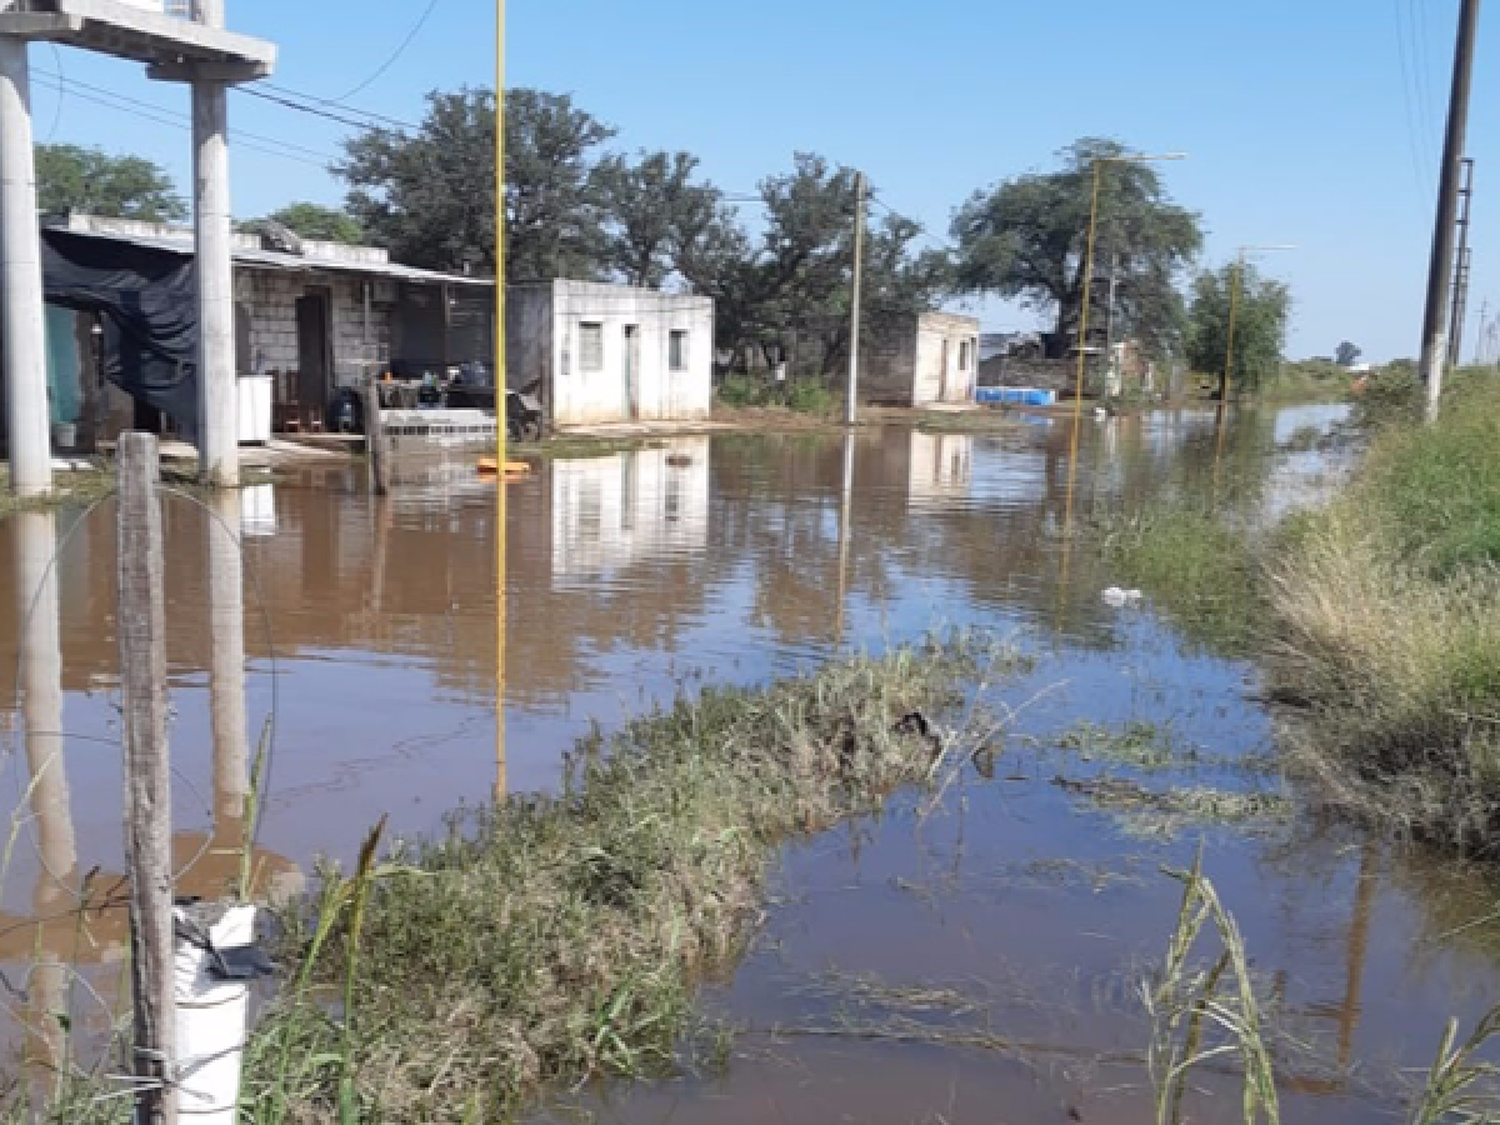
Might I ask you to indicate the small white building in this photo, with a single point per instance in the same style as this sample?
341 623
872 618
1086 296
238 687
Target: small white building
921 360
594 352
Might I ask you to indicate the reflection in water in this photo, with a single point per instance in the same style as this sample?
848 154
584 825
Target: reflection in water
75 924
226 674
39 683
610 514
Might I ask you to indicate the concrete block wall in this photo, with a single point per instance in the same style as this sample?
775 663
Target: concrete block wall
269 298
579 397
357 355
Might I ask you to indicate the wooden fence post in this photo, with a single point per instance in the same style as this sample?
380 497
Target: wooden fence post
380 468
148 807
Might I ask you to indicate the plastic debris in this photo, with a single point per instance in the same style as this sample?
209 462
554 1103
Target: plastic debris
1119 598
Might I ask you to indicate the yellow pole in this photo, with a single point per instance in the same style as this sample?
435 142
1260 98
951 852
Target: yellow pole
502 780
1083 336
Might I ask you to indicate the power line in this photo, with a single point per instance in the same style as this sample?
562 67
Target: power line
160 115
1422 51
377 119
62 95
938 241
1406 96
303 107
395 55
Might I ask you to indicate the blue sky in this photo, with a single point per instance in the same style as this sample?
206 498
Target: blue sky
1314 122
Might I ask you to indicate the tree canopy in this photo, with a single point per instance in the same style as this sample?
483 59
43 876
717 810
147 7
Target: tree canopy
575 210
1347 354
323 224
1026 239
1262 310
94 182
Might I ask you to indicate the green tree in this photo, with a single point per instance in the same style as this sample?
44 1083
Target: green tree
1262 310
794 284
1026 240
648 205
91 181
323 224
430 197
1348 354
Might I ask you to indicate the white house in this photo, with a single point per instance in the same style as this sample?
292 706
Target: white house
595 352
920 360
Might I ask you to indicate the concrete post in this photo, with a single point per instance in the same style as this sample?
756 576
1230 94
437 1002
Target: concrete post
25 328
218 395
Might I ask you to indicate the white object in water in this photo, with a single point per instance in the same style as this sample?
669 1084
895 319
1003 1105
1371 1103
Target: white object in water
1119 598
211 1018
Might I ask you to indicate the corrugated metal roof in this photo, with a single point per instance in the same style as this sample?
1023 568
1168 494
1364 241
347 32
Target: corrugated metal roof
295 263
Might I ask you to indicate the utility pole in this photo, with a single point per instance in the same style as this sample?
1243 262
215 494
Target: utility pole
861 187
1461 277
1435 320
218 392
1484 320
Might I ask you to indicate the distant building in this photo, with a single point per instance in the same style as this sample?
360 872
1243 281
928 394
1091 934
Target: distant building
920 360
594 352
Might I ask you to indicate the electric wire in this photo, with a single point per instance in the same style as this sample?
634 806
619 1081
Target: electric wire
395 55
1408 84
161 115
377 119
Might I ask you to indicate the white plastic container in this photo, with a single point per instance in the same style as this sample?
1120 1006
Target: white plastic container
211 1031
254 409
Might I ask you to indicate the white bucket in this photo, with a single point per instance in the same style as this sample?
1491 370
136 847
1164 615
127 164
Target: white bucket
211 1018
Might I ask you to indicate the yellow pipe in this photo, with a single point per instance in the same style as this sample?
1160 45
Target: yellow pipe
502 780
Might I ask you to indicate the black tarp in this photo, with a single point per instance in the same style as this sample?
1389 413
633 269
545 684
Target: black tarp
147 302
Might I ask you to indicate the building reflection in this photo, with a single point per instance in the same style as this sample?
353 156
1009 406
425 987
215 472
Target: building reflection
613 513
942 468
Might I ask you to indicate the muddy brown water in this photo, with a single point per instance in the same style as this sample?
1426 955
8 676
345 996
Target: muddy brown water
368 628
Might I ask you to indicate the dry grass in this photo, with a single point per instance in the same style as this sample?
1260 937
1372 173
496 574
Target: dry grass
1389 640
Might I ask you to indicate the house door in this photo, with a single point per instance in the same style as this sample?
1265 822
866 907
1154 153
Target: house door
943 374
632 368
314 357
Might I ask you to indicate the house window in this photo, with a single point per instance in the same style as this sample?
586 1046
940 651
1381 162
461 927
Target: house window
964 355
591 347
677 351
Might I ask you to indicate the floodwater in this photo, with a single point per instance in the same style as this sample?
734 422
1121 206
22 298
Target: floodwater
368 628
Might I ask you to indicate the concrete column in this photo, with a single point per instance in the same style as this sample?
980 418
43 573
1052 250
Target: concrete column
218 395
25 329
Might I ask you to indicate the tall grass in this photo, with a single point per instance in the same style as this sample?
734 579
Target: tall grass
1194 564
1389 635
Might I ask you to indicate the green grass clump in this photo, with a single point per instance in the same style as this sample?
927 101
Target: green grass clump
802 395
1388 634
1191 562
552 940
